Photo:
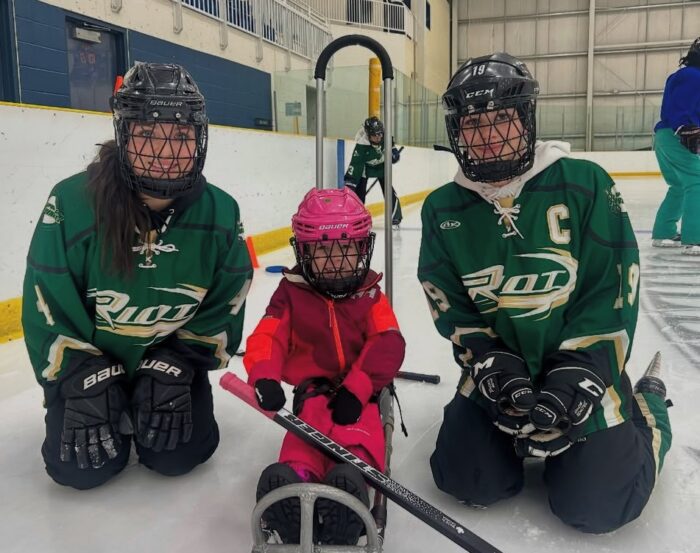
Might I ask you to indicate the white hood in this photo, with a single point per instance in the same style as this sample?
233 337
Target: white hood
546 153
503 197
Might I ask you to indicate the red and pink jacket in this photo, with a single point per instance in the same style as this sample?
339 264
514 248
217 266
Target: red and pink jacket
305 334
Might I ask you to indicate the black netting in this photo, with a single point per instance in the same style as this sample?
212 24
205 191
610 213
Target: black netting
336 268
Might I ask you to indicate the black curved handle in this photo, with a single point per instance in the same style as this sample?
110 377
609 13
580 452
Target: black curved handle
353 40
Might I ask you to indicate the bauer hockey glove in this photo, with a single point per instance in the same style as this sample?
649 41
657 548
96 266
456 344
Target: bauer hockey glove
690 137
162 402
503 379
396 154
567 398
269 394
96 411
345 407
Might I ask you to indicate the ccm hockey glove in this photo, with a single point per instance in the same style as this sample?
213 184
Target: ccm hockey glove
162 402
503 379
567 398
96 411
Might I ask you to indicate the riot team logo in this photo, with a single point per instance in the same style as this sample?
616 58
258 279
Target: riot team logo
115 312
51 214
617 205
536 294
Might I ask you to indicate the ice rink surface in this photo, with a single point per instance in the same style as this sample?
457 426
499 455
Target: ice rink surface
209 509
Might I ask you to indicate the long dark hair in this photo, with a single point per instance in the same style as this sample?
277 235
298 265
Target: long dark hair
692 58
118 211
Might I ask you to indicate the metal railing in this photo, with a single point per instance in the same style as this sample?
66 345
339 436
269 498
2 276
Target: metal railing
274 21
386 15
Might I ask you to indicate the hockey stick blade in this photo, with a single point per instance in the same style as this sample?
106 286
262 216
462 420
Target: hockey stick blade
420 377
403 497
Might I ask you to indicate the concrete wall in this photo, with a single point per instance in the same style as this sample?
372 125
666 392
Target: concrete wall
199 32
236 94
436 72
267 173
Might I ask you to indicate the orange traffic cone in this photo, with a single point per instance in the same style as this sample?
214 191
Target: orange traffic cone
251 252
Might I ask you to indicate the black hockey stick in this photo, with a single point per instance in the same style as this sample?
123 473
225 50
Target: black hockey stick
420 377
418 507
439 148
386 411
371 186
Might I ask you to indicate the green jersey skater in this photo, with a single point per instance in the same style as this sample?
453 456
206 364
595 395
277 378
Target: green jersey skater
135 287
367 162
531 269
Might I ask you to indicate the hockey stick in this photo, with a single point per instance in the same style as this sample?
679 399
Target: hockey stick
418 507
420 377
371 186
386 410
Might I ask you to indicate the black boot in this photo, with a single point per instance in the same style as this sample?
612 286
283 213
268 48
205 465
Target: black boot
339 524
651 382
284 517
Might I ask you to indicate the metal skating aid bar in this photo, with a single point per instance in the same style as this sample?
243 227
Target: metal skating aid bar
308 494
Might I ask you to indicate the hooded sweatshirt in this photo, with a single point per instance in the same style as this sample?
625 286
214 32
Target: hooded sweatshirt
546 266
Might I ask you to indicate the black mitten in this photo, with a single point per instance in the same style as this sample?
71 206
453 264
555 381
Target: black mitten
162 401
345 407
95 407
503 379
269 394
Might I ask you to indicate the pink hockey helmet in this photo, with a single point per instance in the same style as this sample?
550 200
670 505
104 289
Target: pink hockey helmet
331 215
332 241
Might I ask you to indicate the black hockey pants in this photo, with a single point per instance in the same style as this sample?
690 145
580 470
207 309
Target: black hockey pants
361 190
595 486
205 439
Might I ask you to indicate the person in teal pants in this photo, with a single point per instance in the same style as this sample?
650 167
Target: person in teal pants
677 146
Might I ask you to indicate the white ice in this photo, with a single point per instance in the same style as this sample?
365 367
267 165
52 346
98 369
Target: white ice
209 509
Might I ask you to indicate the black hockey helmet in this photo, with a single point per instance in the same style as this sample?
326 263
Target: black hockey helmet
503 87
373 126
693 55
155 95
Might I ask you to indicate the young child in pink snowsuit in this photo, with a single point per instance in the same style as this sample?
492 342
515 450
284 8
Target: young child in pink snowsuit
331 333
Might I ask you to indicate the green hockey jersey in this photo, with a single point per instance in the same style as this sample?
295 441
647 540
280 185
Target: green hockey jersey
367 162
556 272
188 284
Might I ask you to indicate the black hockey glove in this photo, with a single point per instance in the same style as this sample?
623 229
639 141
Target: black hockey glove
162 402
396 154
543 443
690 137
566 400
269 394
345 407
96 411
503 379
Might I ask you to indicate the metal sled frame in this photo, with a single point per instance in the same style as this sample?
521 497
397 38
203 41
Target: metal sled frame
308 494
374 521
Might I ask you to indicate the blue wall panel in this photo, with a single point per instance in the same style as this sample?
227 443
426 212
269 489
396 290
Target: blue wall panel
41 49
235 94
